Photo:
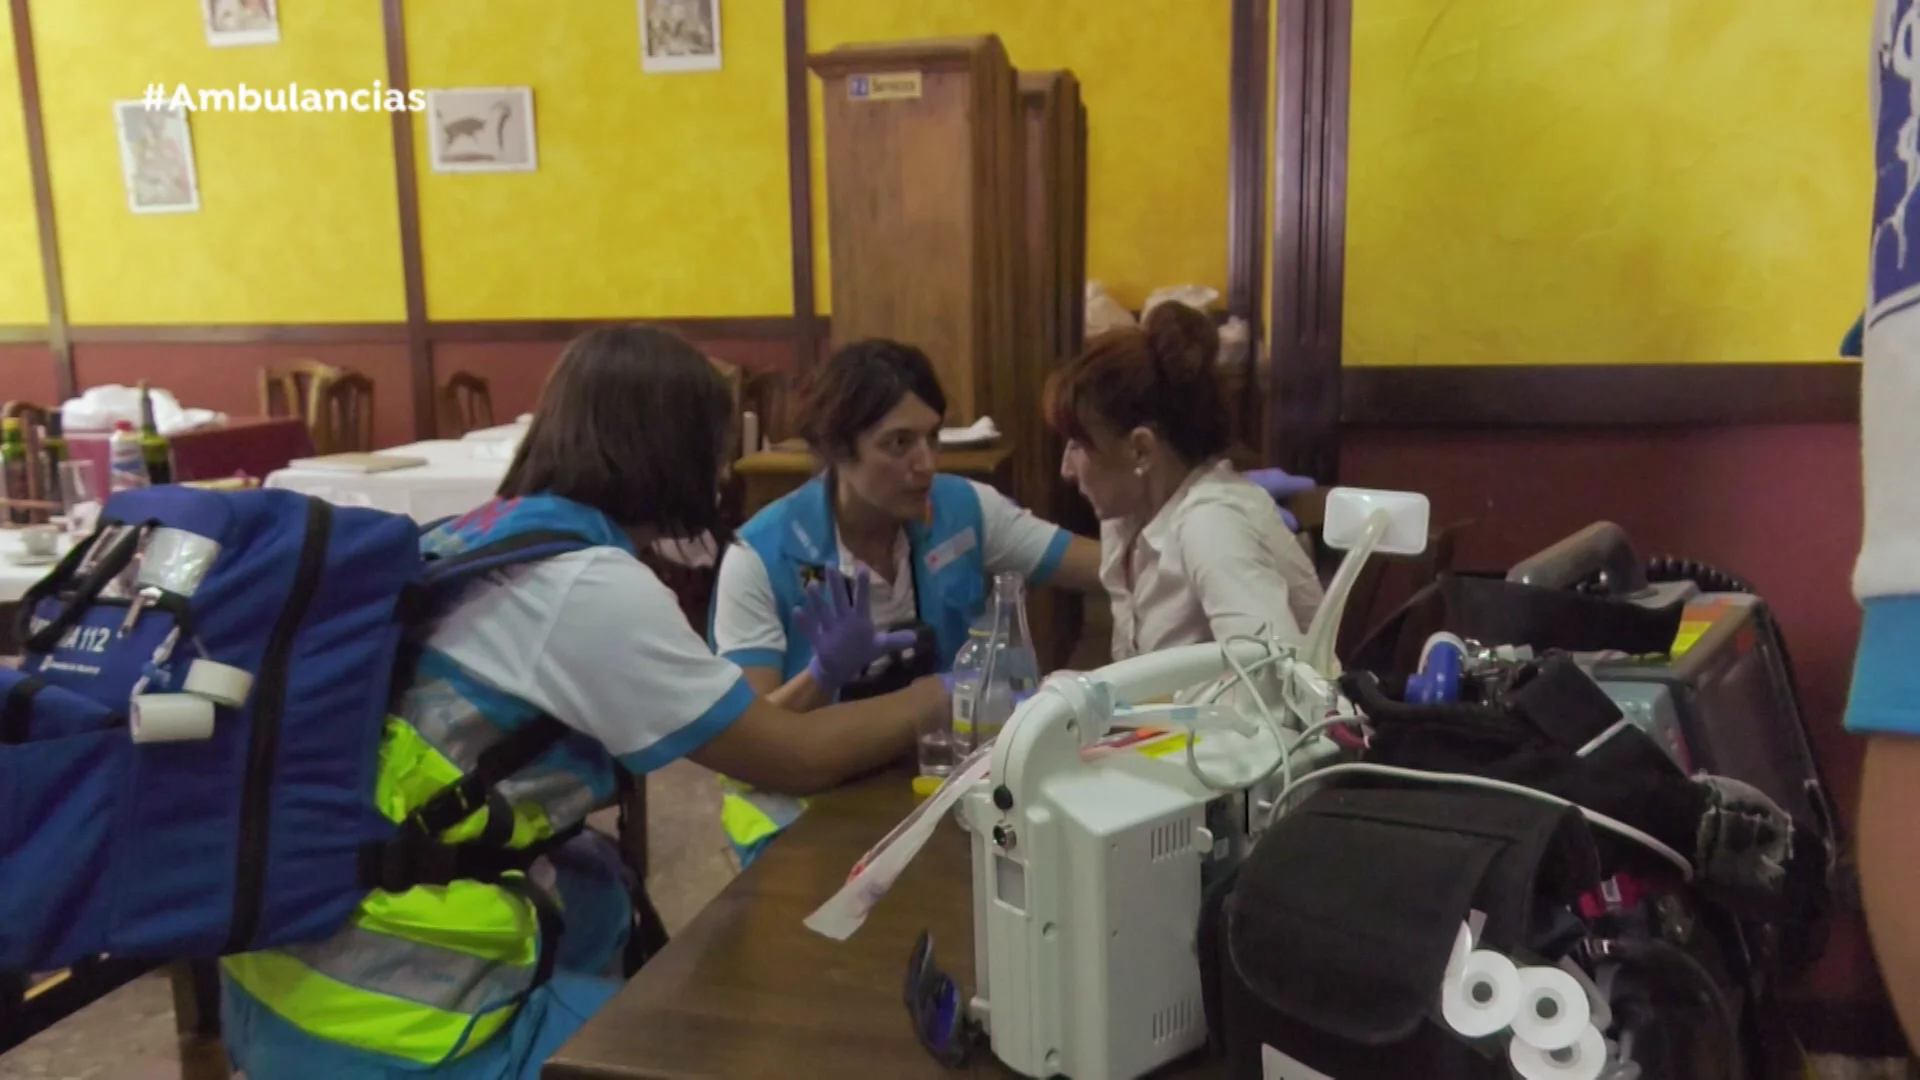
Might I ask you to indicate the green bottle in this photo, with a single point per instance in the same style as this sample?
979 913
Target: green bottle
14 468
155 452
53 451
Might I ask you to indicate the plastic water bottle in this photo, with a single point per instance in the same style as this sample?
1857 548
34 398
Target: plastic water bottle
942 749
124 462
1011 672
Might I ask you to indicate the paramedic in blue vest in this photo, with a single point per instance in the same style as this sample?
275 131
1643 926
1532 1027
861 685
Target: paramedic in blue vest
928 543
446 980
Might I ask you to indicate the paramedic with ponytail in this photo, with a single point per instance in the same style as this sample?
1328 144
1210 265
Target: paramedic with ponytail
928 545
1885 703
476 975
1192 550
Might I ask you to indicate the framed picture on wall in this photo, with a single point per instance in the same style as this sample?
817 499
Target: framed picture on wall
484 129
241 22
156 157
679 35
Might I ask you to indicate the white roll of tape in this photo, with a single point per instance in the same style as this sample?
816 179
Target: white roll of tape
170 718
1553 1009
222 684
1584 1059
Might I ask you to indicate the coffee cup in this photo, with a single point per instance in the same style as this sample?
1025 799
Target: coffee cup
40 541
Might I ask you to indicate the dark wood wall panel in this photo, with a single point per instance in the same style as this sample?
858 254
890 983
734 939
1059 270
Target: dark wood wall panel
1621 395
26 65
1312 42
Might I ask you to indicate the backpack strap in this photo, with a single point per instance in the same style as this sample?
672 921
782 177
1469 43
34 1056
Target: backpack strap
86 587
17 710
418 857
447 570
445 574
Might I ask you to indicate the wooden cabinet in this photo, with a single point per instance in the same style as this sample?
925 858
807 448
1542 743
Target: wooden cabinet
923 210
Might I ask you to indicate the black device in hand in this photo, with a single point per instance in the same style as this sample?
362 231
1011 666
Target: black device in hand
897 670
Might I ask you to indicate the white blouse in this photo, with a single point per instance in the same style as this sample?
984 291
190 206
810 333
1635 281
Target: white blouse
1216 562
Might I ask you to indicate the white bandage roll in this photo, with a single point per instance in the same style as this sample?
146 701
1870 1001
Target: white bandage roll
1553 1009
1481 992
222 684
170 718
1583 1060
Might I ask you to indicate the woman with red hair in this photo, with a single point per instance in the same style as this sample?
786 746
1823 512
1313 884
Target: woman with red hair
1191 550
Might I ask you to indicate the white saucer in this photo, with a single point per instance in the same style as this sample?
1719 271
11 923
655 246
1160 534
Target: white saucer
24 559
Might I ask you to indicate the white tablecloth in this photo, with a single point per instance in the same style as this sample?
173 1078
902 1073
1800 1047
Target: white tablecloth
16 579
458 476
503 432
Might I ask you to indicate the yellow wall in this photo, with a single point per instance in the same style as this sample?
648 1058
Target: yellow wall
23 295
297 220
656 194
1606 182
1154 76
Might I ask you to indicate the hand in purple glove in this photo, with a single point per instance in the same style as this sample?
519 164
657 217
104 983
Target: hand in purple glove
1282 485
840 628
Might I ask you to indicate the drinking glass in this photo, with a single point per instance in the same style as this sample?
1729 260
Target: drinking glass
79 496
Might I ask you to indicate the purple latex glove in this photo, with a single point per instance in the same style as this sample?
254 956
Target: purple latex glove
1282 485
840 628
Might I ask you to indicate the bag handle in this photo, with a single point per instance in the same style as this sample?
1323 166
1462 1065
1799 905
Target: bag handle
117 559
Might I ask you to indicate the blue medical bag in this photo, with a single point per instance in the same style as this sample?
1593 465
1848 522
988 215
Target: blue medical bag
121 836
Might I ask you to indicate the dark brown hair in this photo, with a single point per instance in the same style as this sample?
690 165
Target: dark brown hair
631 422
1159 375
856 387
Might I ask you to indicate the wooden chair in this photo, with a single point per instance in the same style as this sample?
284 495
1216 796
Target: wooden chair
295 388
765 394
33 418
466 404
343 415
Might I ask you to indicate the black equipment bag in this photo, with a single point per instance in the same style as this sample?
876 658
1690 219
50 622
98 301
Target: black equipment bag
1329 943
1323 956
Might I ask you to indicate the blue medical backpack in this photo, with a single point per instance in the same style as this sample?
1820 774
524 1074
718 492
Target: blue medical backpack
265 832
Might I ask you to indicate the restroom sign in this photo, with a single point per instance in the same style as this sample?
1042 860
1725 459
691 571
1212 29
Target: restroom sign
885 86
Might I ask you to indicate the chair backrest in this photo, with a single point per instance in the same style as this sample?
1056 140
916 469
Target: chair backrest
466 404
295 388
343 415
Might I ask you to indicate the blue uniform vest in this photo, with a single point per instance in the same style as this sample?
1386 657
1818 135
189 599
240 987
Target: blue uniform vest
794 538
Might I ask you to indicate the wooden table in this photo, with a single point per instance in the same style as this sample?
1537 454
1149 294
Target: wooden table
255 445
747 991
769 474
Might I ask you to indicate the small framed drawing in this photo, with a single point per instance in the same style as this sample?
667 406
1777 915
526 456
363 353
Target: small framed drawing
156 157
241 22
484 129
679 35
